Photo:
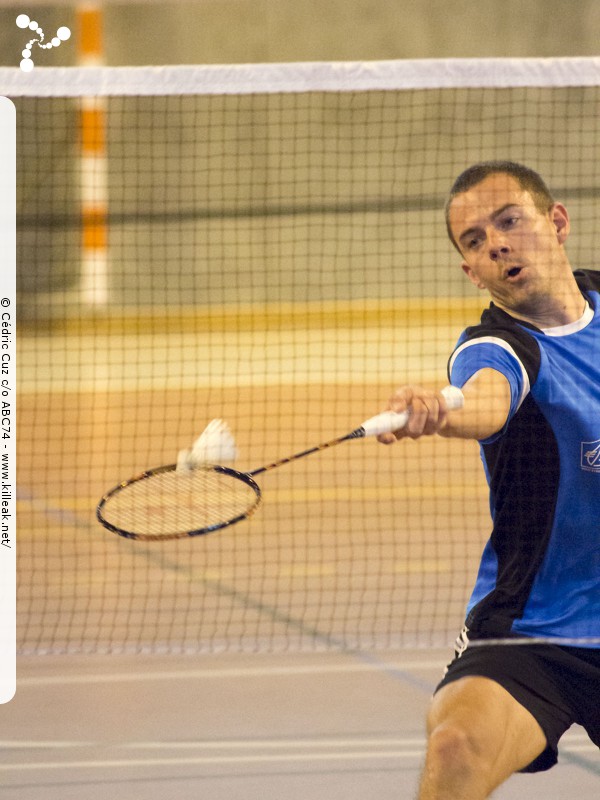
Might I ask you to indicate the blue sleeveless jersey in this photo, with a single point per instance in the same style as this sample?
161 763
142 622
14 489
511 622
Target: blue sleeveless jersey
540 569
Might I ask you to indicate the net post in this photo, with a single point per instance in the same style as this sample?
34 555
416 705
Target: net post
93 165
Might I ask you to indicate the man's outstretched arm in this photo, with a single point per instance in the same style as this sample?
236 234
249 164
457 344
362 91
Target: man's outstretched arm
485 410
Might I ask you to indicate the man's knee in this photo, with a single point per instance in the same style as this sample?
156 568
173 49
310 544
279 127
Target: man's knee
452 749
479 733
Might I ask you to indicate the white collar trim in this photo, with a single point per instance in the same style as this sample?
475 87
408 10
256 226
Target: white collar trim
572 327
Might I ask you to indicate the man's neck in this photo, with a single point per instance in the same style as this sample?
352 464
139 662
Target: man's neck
562 307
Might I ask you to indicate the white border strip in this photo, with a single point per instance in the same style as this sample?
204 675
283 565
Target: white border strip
8 386
300 77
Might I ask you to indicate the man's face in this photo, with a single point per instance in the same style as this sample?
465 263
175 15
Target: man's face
509 247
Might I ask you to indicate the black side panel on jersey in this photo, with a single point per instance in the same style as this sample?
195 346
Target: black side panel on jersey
524 474
587 279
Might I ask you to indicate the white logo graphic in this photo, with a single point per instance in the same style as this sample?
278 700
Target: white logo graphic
23 21
590 456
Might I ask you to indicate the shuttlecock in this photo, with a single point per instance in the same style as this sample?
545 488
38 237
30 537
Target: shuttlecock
215 445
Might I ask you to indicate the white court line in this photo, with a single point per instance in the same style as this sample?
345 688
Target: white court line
211 760
584 747
33 744
576 742
312 750
227 744
277 744
203 674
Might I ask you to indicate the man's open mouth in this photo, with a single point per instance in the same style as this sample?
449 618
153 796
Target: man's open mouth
513 272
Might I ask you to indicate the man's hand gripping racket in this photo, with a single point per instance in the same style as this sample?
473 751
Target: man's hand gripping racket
196 496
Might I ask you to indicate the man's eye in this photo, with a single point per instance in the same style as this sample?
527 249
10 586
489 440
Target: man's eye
510 221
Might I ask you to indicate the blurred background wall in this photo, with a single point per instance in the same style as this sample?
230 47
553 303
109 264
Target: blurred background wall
180 217
236 31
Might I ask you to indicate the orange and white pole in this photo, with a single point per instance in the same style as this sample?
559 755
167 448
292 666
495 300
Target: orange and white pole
93 165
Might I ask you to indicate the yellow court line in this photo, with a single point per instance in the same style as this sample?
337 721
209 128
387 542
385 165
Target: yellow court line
273 571
349 494
259 316
360 494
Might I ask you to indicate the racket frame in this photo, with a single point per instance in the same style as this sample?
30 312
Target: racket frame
244 477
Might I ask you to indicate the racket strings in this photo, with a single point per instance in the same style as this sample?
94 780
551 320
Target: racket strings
176 503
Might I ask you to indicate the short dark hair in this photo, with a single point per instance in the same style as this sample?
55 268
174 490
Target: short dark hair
527 178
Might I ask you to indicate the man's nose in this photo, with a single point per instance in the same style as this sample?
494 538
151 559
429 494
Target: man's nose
497 244
499 251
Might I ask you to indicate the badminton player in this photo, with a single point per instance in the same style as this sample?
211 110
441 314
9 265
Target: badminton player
530 373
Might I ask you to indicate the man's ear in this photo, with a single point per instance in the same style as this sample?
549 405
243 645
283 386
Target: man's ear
472 276
560 219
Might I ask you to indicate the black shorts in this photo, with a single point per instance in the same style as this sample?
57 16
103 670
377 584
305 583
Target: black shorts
557 685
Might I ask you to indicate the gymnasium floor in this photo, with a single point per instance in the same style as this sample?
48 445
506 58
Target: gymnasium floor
319 726
255 664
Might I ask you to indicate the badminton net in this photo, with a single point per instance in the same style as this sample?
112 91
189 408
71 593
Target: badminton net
266 245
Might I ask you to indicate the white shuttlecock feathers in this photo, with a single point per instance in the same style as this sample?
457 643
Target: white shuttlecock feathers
215 445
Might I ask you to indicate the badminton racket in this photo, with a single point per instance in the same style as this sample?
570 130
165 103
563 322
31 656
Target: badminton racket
170 503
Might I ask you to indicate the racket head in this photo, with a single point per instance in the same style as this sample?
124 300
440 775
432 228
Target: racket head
166 503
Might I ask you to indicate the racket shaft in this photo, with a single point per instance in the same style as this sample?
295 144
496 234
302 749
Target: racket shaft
386 422
356 434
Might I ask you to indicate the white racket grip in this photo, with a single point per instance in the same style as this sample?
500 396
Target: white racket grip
389 421
386 422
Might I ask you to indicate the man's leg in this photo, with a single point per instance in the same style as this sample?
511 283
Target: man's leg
478 735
